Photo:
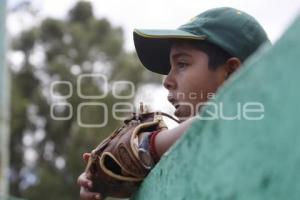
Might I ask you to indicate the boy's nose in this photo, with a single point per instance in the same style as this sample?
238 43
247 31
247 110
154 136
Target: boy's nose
169 82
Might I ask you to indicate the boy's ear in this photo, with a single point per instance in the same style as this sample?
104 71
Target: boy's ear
232 64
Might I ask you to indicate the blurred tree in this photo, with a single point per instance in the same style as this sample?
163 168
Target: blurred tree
46 153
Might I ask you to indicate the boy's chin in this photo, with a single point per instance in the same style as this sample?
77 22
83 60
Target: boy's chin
182 115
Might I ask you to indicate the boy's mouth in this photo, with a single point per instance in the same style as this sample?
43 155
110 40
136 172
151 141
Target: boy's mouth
175 103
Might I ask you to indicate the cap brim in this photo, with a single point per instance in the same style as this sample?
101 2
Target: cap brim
153 47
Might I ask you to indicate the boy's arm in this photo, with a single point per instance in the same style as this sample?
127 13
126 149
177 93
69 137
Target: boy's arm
165 139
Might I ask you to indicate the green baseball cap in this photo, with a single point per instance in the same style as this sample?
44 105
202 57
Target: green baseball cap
234 31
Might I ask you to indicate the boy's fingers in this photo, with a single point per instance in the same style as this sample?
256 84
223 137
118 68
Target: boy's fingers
86 195
86 156
83 181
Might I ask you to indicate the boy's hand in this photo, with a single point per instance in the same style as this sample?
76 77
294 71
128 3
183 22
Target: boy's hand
86 184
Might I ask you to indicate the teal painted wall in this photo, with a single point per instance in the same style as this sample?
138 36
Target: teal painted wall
241 159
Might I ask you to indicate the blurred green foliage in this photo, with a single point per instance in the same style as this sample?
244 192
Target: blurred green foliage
82 42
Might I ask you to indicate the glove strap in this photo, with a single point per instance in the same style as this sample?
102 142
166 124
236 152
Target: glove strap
147 151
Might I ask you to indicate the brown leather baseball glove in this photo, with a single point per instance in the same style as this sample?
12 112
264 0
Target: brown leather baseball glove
118 165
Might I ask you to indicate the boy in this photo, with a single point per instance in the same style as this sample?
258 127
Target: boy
197 59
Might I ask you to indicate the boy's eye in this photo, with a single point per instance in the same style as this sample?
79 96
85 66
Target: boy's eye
182 65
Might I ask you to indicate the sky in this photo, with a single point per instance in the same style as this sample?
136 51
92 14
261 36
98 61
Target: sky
274 15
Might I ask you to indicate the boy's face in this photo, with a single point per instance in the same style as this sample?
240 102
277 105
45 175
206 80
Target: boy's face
190 82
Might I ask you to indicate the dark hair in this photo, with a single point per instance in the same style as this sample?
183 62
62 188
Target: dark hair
216 55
